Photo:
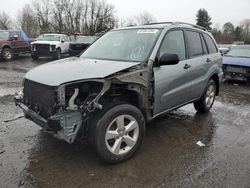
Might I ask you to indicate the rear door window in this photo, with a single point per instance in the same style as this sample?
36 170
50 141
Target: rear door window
210 44
194 44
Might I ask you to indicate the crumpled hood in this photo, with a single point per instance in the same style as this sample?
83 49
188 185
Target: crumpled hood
73 69
47 42
238 61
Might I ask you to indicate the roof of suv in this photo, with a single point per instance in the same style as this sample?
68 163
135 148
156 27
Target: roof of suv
11 30
59 34
161 25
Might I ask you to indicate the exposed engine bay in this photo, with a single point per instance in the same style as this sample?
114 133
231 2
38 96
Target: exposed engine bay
64 110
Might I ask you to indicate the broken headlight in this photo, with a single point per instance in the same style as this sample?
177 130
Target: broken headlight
53 47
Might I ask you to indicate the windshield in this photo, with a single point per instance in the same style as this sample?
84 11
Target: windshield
239 52
124 45
4 35
49 38
87 39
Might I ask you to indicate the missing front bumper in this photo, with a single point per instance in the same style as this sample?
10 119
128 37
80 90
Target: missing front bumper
63 126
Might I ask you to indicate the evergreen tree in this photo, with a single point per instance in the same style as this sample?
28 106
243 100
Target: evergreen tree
238 34
203 19
228 28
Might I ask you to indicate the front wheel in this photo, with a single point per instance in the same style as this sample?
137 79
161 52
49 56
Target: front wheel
205 103
34 56
119 133
58 54
7 54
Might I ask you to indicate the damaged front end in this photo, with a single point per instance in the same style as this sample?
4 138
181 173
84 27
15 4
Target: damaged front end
61 111
64 111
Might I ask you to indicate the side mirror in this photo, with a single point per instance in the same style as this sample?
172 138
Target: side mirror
62 40
168 59
15 37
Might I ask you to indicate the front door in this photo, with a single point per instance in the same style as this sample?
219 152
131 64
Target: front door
18 44
65 44
172 82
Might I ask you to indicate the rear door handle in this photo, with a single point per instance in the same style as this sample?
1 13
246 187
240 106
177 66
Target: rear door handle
187 66
208 60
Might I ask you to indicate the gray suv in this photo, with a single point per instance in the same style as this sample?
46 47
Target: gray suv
124 80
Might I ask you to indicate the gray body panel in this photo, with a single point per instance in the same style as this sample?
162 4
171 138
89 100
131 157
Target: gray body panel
176 86
202 71
172 86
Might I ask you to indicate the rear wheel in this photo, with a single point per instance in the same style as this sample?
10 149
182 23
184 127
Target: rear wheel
119 133
205 103
7 54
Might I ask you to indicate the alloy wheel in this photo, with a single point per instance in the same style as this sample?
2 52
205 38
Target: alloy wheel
122 134
210 96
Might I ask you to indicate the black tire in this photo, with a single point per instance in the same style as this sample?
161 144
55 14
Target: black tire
202 105
34 56
7 54
71 54
102 123
58 54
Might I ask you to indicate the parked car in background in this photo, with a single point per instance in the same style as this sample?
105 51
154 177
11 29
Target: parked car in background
13 43
50 45
126 78
224 50
80 44
236 63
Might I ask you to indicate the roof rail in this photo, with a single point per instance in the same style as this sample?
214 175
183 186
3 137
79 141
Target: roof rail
158 23
196 26
54 32
178 23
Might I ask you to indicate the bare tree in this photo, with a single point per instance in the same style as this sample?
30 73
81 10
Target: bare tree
99 17
245 26
140 19
58 15
145 18
27 21
5 21
43 11
75 12
86 16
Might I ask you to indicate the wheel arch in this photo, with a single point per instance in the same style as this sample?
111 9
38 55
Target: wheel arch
59 48
215 77
129 96
6 46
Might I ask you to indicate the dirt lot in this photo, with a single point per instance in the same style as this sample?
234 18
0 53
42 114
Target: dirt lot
169 157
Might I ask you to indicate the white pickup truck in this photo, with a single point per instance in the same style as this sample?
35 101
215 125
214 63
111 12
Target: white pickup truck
50 45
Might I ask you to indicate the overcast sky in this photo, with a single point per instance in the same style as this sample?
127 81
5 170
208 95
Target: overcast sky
221 11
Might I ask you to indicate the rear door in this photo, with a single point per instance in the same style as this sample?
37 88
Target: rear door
197 55
14 43
172 82
214 56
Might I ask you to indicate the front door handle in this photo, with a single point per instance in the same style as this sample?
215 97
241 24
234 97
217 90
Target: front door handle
208 60
187 66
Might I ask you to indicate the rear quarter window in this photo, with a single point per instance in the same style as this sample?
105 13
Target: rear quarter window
210 44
